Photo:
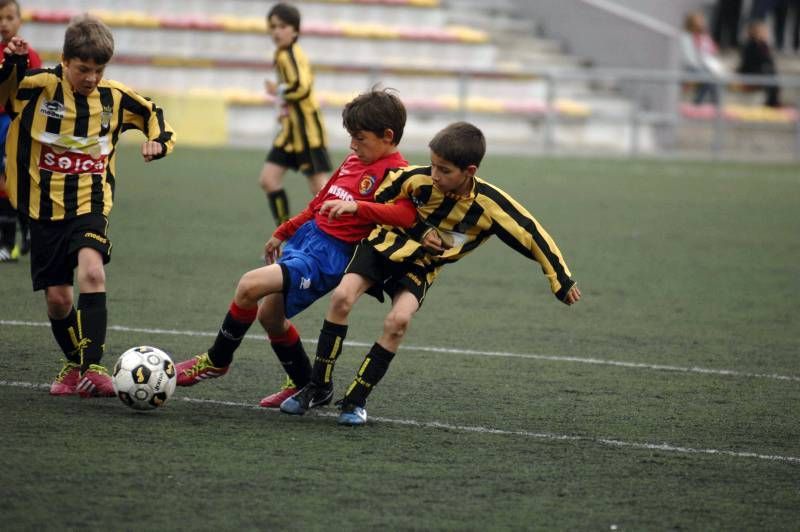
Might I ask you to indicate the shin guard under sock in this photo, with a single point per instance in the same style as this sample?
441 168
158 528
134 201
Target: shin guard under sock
279 205
331 338
65 332
92 321
235 325
289 350
372 370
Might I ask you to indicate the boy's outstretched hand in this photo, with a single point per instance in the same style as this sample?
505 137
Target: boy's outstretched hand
151 149
17 45
433 242
573 296
335 208
272 250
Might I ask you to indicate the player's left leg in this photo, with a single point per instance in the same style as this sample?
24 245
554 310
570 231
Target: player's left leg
92 323
319 391
8 230
241 314
404 305
285 342
64 326
271 181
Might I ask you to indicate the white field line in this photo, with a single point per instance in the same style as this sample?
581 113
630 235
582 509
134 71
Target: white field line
545 436
468 352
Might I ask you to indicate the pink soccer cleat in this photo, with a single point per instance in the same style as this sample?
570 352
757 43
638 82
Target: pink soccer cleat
197 369
95 382
66 381
275 400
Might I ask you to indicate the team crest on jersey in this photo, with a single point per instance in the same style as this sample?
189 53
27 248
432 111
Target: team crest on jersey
105 116
52 109
366 185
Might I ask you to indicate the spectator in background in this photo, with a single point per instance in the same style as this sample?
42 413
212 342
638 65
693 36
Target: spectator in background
727 14
700 56
757 59
10 22
783 10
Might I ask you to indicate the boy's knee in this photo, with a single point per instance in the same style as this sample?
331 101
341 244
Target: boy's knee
396 323
274 325
94 277
59 303
248 291
342 301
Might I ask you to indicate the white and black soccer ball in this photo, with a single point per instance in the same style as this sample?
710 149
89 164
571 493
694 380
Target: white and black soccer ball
144 377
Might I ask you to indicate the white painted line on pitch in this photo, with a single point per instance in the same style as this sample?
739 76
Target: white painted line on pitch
546 436
468 352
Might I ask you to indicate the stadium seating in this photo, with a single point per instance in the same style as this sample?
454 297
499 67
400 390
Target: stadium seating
445 63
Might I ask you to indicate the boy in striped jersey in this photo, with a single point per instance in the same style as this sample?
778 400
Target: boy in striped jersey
316 251
301 142
10 23
457 212
60 171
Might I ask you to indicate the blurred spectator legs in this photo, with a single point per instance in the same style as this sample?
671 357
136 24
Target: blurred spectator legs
726 23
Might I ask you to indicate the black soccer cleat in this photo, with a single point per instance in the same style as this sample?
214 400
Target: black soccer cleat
310 396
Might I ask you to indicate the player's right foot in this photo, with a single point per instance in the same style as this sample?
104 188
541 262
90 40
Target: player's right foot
197 369
66 381
95 382
6 255
352 415
309 396
275 400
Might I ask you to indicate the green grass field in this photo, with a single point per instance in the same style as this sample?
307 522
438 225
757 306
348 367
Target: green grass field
667 399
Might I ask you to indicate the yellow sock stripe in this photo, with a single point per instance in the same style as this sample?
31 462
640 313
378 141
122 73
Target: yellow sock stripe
280 207
358 380
76 343
80 335
331 360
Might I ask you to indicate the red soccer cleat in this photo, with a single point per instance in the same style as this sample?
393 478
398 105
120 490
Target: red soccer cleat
95 383
275 400
66 381
197 369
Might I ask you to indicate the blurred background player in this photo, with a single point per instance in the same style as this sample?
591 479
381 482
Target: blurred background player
458 212
756 58
10 22
317 248
301 142
60 172
700 56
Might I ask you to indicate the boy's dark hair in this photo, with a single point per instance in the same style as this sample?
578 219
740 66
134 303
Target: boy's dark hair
88 38
287 13
4 3
461 143
376 111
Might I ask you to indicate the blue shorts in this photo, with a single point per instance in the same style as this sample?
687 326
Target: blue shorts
313 263
5 121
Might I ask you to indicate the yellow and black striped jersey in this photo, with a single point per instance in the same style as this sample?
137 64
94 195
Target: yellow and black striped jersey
61 145
465 222
301 121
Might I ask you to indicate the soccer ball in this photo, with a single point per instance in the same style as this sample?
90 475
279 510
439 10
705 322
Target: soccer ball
144 377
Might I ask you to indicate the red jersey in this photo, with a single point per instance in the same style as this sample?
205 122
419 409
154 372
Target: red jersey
354 181
34 61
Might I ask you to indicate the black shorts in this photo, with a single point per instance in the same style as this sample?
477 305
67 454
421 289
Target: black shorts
311 161
55 246
390 277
